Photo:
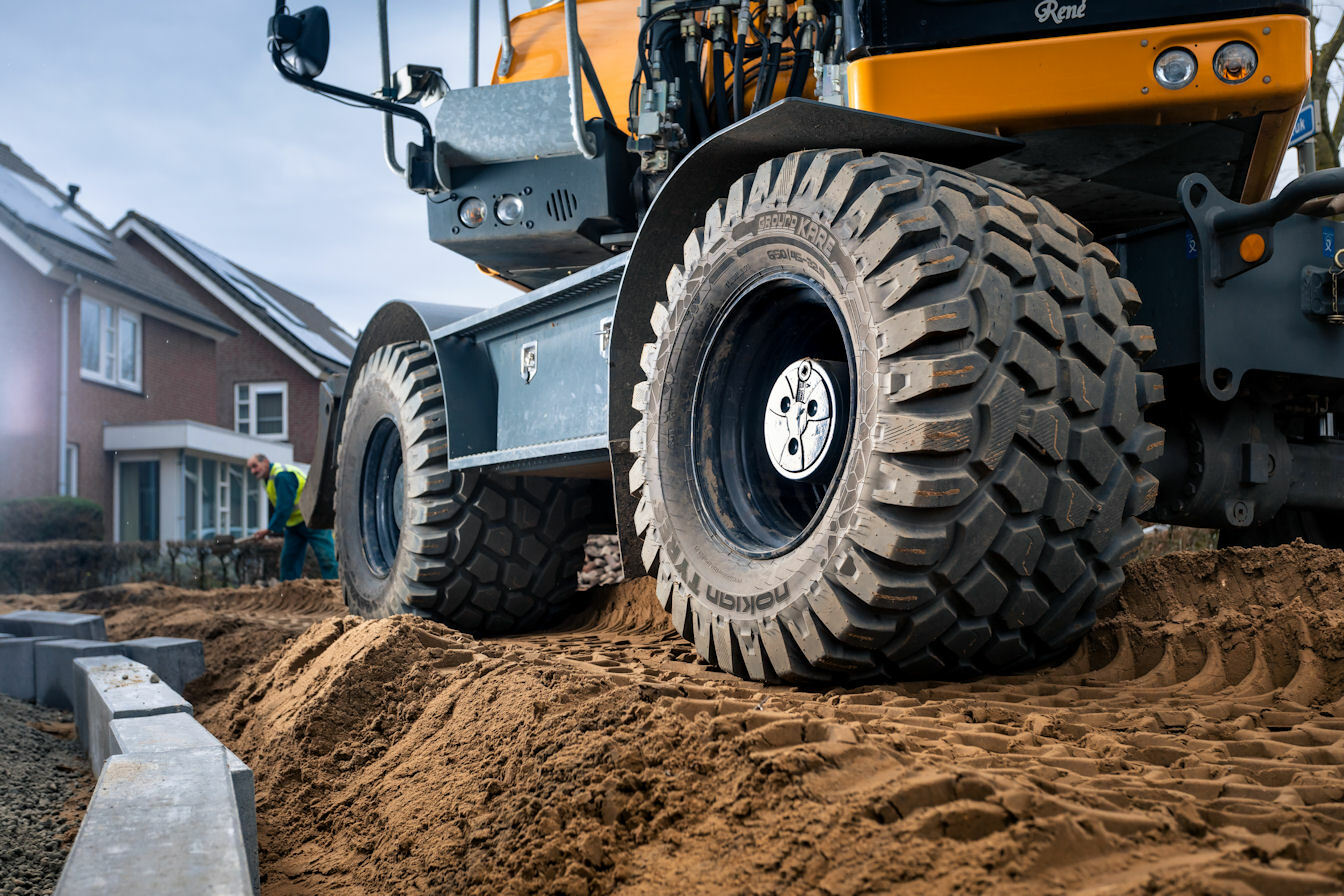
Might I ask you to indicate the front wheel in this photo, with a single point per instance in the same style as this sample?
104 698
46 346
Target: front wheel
892 424
482 552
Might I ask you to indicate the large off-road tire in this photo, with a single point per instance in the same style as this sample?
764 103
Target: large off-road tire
978 496
1314 526
484 553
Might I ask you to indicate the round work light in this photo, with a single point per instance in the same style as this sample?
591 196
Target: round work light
471 212
1235 62
1175 68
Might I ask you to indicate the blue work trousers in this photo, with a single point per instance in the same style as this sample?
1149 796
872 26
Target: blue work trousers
297 539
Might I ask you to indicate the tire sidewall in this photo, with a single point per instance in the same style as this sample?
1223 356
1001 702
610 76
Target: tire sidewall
763 245
367 593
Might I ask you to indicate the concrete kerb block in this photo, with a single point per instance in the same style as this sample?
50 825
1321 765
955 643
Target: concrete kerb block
54 670
160 823
178 661
31 623
17 676
178 731
117 688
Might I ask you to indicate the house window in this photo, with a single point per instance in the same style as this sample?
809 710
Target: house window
109 344
262 409
218 498
71 469
139 501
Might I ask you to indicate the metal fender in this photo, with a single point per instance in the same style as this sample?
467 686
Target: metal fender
394 322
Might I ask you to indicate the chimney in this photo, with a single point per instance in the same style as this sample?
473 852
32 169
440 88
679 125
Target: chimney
72 190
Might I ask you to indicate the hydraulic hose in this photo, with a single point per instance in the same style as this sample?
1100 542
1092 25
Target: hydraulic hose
765 84
721 111
739 62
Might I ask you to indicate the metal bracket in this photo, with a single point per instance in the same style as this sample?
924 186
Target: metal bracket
1245 281
527 361
604 337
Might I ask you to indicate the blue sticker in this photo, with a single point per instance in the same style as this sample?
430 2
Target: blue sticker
1191 245
1328 240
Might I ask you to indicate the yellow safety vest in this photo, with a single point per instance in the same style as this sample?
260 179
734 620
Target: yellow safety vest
276 469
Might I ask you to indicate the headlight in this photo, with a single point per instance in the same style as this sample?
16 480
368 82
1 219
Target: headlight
509 209
1235 62
1175 68
471 212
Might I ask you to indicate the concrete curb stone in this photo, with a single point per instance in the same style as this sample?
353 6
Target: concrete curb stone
110 688
17 676
174 810
28 623
178 731
178 661
160 823
54 669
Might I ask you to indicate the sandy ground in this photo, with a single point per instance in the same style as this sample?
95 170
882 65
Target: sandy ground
1193 745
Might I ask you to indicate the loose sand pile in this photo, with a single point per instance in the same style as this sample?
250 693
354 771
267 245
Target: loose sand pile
1193 745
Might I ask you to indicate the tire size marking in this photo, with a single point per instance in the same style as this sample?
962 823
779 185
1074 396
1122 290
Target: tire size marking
805 228
794 255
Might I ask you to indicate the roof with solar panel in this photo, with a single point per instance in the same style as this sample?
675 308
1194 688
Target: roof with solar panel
296 321
51 231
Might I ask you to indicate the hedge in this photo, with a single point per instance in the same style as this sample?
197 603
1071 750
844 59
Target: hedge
49 519
78 565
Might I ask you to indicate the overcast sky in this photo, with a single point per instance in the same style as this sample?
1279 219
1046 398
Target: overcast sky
173 109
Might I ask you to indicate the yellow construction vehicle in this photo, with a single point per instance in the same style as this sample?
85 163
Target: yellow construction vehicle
833 316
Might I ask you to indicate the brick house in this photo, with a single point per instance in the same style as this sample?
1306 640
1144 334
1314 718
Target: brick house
120 376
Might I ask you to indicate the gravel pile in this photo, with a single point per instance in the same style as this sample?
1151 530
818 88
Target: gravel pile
602 562
39 771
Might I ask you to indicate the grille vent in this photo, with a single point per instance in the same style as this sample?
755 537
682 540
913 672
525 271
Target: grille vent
562 205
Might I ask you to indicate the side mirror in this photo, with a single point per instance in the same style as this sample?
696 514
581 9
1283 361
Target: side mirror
301 41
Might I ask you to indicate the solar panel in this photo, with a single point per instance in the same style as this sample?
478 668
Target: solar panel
48 211
272 306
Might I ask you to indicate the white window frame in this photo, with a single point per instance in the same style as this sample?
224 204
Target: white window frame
251 419
115 317
222 522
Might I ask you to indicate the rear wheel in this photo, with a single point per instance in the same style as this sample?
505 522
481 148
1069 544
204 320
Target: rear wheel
892 424
485 553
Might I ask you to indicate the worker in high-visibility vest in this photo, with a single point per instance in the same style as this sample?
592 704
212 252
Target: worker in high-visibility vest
284 484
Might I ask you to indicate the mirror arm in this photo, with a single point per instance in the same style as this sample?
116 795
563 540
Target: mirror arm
389 151
360 98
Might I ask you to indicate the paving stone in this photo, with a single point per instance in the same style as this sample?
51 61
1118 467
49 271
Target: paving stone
160 823
179 731
109 688
29 623
54 669
178 661
17 678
